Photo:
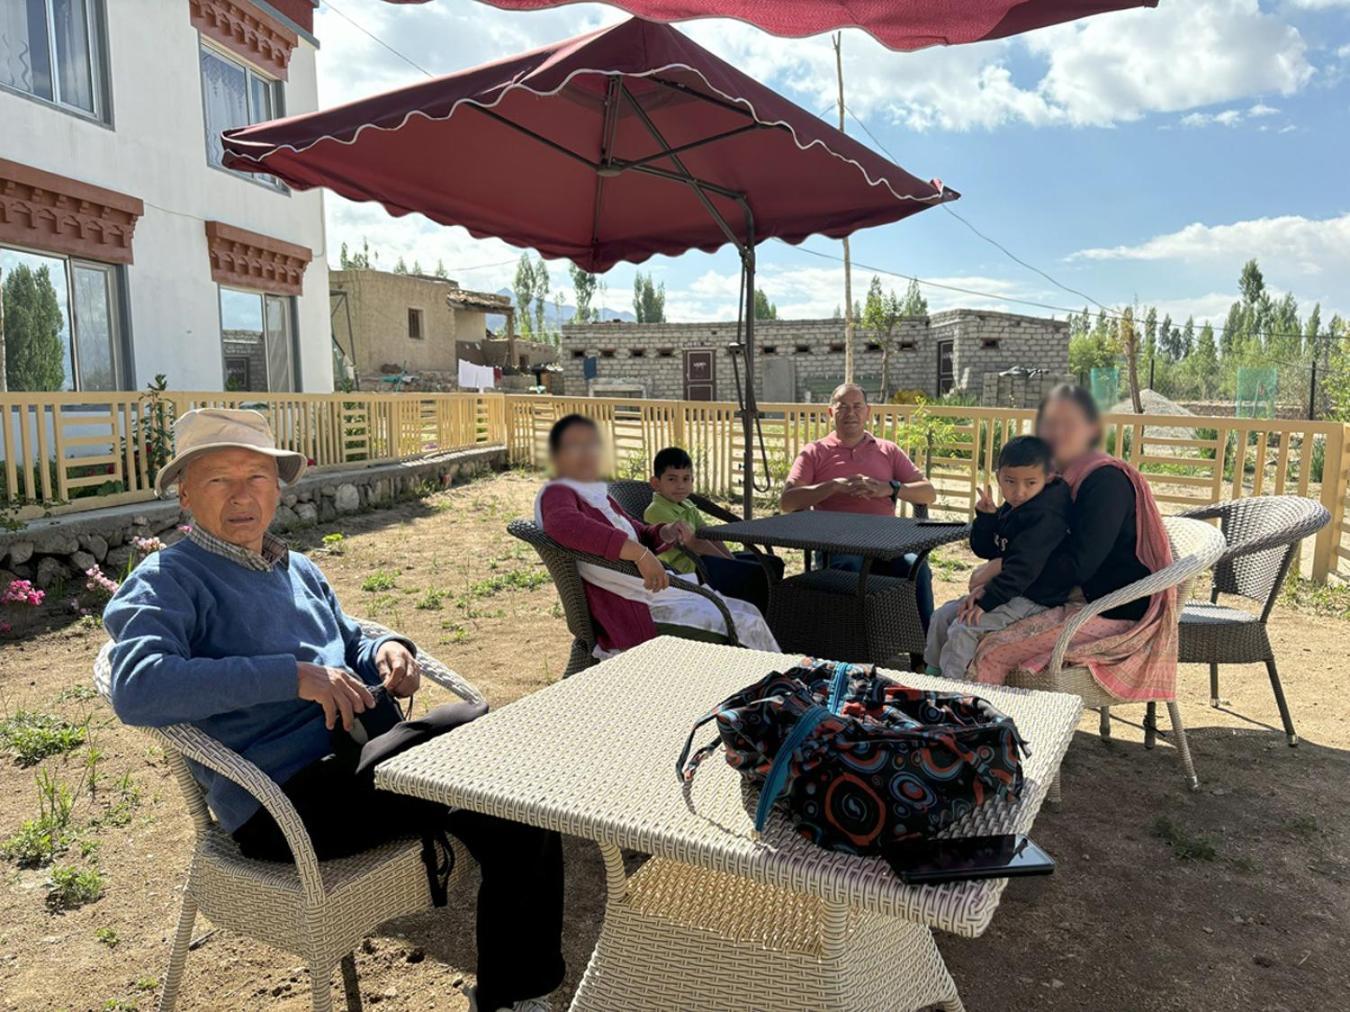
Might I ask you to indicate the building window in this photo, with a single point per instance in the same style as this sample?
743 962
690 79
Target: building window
666 352
607 352
638 353
415 324
53 50
234 95
578 353
67 314
836 346
989 342
768 349
873 346
802 349
258 340
906 345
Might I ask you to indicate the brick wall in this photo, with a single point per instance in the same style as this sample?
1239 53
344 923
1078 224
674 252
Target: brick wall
650 356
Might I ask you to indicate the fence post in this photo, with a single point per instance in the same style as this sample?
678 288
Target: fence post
1325 548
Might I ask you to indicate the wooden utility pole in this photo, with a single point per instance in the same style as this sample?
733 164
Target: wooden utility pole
848 265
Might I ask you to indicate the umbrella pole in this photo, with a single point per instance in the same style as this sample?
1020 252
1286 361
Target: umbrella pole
750 408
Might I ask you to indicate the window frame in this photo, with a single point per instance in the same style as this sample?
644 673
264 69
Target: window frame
118 317
276 88
414 313
292 337
100 75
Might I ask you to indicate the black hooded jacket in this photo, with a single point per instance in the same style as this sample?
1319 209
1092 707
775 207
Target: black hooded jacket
1024 538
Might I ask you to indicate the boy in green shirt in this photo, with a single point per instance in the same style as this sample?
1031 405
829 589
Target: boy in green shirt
737 575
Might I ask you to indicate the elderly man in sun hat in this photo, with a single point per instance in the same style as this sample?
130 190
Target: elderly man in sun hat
232 632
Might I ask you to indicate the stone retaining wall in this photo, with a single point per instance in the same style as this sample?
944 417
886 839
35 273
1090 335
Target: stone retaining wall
59 550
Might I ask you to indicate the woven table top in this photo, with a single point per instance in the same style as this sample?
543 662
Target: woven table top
865 534
594 756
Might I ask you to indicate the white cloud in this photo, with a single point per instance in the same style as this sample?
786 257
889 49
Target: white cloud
1261 109
1285 245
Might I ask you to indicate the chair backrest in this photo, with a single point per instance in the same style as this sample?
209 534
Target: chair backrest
193 794
566 577
1263 535
633 496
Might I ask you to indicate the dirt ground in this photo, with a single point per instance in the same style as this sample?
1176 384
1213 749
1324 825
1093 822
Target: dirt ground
1234 896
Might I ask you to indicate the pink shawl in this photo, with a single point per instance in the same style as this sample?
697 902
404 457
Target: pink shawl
1132 661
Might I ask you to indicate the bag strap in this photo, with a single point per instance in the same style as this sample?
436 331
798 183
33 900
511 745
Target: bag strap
782 762
841 673
685 765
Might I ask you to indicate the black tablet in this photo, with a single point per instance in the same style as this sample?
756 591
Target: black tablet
927 862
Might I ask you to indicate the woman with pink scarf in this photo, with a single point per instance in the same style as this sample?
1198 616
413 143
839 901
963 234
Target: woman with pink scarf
1116 537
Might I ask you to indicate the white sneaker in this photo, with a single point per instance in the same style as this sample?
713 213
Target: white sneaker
526 1005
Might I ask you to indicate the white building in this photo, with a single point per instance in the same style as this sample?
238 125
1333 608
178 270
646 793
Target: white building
163 261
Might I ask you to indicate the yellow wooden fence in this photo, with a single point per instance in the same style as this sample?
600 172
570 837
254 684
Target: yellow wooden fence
63 452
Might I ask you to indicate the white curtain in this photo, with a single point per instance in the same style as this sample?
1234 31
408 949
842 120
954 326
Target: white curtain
25 61
225 91
74 55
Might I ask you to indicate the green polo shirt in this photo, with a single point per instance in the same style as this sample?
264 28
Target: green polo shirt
663 511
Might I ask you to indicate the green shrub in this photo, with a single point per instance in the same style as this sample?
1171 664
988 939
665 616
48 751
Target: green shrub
69 887
381 579
32 737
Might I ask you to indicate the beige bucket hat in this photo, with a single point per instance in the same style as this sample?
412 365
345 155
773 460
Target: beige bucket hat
204 429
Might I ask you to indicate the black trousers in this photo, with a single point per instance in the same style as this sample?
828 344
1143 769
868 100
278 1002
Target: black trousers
743 577
520 901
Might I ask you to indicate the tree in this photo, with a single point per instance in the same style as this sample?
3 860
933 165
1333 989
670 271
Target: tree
559 301
34 351
1312 329
914 304
764 309
838 313
583 287
417 267
441 272
649 299
1129 344
349 261
1186 341
881 314
401 267
1204 361
1251 283
540 296
523 290
1233 339
1098 348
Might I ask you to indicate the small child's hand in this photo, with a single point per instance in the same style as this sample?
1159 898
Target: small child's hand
677 533
970 611
984 500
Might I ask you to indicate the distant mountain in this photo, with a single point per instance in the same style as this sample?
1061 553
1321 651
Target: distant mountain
496 321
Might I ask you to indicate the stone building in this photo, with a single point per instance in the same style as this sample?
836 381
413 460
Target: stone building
406 324
803 360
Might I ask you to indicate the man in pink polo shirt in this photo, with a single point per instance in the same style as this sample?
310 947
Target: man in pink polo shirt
852 471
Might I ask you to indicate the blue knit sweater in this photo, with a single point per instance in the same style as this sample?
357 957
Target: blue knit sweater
200 638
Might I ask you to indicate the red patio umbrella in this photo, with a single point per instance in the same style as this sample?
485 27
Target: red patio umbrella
896 24
609 147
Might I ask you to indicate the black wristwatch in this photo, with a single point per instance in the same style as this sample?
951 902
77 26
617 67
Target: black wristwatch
895 490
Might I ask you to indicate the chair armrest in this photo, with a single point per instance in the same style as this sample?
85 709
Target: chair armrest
1199 559
199 746
629 569
711 508
430 668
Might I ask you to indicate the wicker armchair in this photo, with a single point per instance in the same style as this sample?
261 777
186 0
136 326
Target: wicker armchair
1263 535
317 910
562 566
1195 546
636 496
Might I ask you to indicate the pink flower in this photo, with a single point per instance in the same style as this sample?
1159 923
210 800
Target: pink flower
147 545
99 581
185 528
22 592
5 628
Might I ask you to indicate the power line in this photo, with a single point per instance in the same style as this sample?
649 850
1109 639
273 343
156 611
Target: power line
371 35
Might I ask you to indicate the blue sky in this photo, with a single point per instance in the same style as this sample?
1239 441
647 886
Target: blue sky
1138 156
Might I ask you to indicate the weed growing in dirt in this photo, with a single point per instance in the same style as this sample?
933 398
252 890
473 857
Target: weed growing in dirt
1304 826
946 567
69 887
120 1005
1185 845
147 983
333 542
126 798
80 692
107 936
381 579
431 600
40 841
456 633
516 579
32 737
1315 598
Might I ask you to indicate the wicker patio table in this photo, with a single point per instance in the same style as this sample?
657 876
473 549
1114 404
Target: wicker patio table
838 614
719 917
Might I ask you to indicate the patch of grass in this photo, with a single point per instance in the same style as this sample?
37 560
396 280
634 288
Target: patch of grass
107 936
147 983
1185 845
120 1005
1304 826
381 579
69 888
515 579
456 633
78 693
32 737
40 841
431 600
126 798
1329 600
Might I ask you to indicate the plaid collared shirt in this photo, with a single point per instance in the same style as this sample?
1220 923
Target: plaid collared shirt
274 550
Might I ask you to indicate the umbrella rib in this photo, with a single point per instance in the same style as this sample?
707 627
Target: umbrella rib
684 89
692 144
536 136
699 187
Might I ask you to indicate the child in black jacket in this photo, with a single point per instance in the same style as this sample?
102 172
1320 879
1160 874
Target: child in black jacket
1032 521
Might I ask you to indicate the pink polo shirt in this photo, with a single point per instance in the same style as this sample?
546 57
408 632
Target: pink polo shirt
829 458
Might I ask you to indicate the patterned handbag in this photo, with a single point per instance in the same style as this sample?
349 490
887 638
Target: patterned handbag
862 762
